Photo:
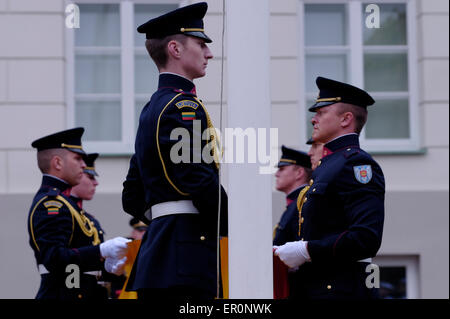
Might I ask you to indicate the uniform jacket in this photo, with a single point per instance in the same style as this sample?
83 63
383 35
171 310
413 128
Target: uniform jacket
58 240
343 216
78 204
287 229
133 193
176 249
101 292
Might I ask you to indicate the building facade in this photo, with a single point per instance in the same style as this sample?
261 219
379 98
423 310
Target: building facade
54 76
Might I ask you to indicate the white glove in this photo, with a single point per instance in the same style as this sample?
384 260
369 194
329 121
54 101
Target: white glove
115 266
114 248
293 254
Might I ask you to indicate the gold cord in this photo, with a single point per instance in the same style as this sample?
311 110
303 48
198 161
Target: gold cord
87 226
216 150
300 202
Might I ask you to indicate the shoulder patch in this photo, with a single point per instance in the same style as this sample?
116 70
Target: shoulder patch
53 207
186 103
363 173
188 116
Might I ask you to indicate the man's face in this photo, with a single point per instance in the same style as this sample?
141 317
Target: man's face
286 178
194 58
72 167
86 188
326 123
137 234
315 153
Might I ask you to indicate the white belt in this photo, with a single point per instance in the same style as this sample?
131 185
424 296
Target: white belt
44 271
171 208
367 260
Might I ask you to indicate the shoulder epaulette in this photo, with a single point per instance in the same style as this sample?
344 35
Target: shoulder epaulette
350 152
53 192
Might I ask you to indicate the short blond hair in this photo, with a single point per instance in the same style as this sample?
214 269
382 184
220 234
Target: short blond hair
157 48
45 157
359 113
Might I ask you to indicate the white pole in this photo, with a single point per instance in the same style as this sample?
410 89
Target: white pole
249 191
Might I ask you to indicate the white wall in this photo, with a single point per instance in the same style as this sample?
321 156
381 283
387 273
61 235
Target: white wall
31 86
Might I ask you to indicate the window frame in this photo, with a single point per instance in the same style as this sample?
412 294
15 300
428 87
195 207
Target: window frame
127 95
355 54
411 264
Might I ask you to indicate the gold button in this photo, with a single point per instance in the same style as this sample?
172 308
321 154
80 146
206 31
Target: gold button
202 238
306 198
311 182
320 162
303 219
349 149
329 287
100 232
80 296
314 190
303 239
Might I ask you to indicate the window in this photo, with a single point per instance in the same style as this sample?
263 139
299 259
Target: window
336 43
399 277
110 75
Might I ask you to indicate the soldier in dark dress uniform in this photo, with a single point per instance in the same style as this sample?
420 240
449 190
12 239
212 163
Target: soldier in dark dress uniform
294 173
133 193
66 244
85 190
315 152
343 208
138 229
175 169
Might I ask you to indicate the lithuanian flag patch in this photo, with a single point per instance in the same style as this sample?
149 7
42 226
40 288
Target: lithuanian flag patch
188 116
53 207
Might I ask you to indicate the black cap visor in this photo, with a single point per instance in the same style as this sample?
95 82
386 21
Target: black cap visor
90 172
198 34
75 150
318 105
283 163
